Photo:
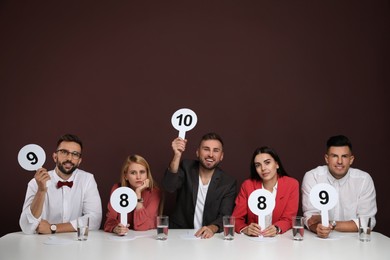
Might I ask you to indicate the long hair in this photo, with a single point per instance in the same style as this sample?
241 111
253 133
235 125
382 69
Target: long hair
265 149
140 160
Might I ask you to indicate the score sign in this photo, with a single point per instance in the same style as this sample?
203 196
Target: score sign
261 202
31 157
123 200
184 120
324 197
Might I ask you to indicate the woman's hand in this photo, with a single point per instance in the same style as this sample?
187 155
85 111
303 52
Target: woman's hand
253 230
270 231
121 230
141 188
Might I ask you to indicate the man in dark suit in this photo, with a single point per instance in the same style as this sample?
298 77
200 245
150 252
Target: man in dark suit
204 192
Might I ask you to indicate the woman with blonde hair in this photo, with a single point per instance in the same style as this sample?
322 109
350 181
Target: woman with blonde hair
136 175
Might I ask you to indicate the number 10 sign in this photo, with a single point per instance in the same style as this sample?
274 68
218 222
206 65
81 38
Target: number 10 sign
184 120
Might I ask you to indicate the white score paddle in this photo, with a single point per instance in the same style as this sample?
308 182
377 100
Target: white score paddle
324 197
261 202
184 120
123 200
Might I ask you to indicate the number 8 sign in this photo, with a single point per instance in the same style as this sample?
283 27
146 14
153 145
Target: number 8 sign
123 200
261 202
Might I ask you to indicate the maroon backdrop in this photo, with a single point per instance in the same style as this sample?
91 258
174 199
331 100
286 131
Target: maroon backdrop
287 74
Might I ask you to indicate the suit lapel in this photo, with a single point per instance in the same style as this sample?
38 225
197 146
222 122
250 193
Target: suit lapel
279 194
195 183
214 182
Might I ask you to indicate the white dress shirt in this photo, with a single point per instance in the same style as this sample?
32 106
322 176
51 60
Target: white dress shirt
356 192
63 205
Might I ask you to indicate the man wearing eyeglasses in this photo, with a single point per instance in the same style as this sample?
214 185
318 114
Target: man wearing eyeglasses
55 199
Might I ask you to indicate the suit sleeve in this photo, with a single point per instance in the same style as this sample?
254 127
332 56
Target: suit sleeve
173 181
227 205
291 209
241 209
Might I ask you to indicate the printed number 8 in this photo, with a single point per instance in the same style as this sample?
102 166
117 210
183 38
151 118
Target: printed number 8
261 205
124 200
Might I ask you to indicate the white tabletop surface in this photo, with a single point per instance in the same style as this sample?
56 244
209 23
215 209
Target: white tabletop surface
181 245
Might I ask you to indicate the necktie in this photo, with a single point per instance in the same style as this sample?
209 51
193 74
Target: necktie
64 183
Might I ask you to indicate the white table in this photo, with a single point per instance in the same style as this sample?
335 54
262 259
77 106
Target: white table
101 245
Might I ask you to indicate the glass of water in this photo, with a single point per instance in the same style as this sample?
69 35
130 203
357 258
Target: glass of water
365 229
228 227
298 228
82 228
162 227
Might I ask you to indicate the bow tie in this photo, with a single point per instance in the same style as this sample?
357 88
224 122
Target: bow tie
64 183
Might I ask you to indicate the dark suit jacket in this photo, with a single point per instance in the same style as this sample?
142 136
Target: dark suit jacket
219 200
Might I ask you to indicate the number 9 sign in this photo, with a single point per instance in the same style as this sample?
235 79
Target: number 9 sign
324 197
261 202
123 200
184 120
31 157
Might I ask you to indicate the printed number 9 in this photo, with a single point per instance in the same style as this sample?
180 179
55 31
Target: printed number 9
261 205
324 197
32 157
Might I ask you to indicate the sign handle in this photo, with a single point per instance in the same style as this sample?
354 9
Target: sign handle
182 134
262 222
124 218
325 218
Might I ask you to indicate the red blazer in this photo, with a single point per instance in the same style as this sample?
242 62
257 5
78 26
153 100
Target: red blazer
286 203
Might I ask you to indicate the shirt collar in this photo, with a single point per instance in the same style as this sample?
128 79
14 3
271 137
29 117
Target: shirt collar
332 180
58 178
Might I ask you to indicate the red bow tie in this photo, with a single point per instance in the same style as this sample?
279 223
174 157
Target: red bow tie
64 183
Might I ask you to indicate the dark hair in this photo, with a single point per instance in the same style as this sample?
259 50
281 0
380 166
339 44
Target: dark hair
69 138
281 171
211 136
338 140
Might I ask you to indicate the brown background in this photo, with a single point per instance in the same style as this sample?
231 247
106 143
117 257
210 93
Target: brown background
287 74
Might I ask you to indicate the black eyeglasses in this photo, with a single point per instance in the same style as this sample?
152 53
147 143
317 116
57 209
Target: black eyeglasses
64 152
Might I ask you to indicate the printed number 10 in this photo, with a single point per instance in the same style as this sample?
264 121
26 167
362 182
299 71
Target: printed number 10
187 120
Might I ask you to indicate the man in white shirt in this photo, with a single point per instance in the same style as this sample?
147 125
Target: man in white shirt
355 188
55 199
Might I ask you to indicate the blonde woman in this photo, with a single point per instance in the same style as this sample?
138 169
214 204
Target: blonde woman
136 175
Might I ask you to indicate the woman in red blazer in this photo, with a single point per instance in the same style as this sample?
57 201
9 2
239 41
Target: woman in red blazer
267 172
